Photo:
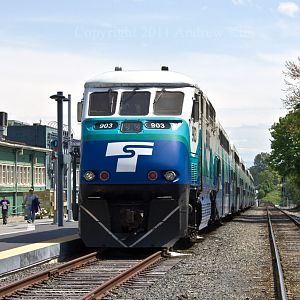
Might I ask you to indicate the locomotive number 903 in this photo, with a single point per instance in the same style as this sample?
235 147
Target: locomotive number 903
106 125
158 125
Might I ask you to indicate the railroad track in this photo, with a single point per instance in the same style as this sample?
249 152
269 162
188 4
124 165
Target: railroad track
84 278
284 234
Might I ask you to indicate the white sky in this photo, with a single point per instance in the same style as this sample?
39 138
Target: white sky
235 49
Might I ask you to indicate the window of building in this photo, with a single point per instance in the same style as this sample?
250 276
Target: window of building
20 175
24 175
39 175
7 174
10 175
2 174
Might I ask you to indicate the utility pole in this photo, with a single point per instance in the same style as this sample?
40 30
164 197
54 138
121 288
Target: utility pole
59 98
69 165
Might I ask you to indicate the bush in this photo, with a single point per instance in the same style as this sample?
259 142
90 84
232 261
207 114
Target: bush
273 197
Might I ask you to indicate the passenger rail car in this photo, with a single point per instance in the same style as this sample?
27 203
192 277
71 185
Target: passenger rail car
155 162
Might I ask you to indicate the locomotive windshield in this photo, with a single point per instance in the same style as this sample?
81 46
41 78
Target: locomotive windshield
102 103
168 103
134 103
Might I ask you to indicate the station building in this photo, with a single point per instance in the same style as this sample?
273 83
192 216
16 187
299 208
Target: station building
27 160
22 167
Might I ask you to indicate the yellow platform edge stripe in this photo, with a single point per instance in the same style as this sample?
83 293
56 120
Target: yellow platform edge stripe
36 246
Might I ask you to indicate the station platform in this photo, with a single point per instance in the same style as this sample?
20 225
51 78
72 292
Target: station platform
23 244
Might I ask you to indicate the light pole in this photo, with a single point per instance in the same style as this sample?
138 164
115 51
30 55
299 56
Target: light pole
59 98
69 183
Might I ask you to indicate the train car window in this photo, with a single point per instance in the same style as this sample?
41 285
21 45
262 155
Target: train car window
135 103
102 104
207 111
212 115
207 139
195 110
223 141
236 158
168 103
243 167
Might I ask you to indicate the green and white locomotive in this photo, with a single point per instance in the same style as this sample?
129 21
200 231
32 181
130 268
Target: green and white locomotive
155 162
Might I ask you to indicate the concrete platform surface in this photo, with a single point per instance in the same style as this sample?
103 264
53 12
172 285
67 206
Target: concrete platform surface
23 244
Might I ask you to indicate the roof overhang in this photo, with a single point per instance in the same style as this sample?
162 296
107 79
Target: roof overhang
24 147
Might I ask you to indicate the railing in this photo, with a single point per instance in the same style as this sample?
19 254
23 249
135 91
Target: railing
15 210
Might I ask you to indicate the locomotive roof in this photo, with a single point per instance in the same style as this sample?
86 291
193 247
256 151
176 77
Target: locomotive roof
140 78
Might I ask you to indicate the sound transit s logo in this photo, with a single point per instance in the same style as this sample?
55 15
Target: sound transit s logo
129 152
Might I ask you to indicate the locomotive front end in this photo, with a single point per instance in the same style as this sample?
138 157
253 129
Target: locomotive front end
135 162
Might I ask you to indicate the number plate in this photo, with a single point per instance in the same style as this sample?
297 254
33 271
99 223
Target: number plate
157 125
105 125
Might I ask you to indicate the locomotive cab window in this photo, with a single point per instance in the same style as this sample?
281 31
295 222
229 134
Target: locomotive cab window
168 103
102 104
134 103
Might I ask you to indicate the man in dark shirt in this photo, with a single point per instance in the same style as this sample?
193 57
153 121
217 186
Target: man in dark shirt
4 205
32 206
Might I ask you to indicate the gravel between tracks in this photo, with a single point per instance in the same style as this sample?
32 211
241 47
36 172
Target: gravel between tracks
232 262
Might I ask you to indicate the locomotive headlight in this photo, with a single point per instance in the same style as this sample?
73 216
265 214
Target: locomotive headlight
170 175
89 175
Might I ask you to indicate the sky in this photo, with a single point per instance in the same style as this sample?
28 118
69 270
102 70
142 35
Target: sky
235 50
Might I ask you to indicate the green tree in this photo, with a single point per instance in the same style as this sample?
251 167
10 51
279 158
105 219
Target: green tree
260 165
285 144
261 161
285 155
265 178
292 189
268 181
292 82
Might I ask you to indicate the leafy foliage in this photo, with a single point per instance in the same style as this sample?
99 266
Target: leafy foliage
273 197
268 180
285 155
292 82
265 178
260 165
292 189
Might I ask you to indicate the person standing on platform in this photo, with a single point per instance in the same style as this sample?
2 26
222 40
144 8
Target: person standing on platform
32 204
35 207
4 204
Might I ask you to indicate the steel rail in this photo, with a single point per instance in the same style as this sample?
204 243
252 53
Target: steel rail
290 216
45 275
103 289
278 273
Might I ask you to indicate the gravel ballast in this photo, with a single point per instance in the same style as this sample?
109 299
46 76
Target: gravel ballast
232 262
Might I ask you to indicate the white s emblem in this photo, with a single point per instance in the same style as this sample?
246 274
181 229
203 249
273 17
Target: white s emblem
131 151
